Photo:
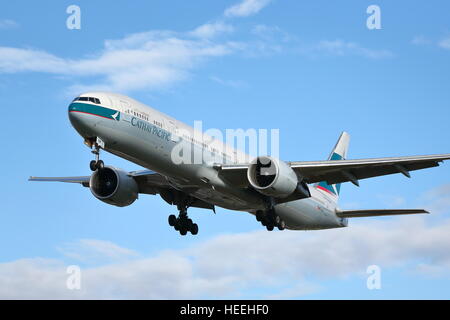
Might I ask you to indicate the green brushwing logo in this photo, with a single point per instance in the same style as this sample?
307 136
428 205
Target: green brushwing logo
334 188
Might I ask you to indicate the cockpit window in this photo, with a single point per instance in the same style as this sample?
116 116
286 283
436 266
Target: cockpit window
90 99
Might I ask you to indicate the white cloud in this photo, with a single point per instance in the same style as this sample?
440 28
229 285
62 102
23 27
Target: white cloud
299 290
281 264
158 59
439 199
345 48
420 40
445 43
8 24
210 30
32 278
18 60
228 83
150 60
274 40
246 8
89 250
265 31
392 201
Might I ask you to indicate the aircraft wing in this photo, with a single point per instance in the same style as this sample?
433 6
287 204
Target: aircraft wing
338 171
376 212
148 181
84 180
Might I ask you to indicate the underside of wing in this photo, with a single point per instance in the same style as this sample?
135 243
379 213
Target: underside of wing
150 182
376 212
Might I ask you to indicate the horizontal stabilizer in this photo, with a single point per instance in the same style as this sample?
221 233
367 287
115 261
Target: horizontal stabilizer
375 213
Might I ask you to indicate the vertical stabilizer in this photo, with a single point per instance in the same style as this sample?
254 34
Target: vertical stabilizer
339 152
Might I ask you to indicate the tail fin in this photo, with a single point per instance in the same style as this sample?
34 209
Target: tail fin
339 152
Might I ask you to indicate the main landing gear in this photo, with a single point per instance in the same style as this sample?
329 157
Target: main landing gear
97 163
270 219
182 223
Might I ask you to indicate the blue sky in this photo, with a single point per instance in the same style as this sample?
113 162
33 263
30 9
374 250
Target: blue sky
310 69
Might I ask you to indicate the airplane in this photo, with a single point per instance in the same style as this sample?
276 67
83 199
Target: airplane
296 195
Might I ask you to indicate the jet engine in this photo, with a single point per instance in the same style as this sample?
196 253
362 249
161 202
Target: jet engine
114 186
272 177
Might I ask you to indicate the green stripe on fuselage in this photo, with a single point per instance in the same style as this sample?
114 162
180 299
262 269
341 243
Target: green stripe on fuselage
95 110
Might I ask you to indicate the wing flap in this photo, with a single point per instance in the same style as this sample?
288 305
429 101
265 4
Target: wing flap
377 212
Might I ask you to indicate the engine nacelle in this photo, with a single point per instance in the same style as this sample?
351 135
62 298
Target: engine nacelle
272 177
114 186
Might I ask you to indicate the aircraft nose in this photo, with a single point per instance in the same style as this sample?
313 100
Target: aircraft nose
74 114
79 120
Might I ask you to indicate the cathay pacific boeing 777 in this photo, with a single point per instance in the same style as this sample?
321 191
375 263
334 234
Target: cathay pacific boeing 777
297 195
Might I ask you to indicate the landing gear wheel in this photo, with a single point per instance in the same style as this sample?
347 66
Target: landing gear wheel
183 224
269 219
100 164
277 220
172 220
259 215
282 225
96 165
194 229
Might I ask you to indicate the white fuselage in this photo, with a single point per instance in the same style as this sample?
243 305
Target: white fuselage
148 137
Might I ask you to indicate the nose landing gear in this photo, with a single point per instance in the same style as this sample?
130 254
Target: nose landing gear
97 164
